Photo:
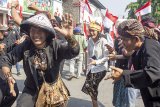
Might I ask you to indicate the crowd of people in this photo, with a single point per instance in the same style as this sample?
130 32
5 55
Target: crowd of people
44 41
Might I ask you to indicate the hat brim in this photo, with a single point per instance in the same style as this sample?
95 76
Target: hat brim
26 25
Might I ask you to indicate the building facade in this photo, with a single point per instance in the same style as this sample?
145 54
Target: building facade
54 6
73 7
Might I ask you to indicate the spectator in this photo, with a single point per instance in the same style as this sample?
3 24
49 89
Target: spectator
78 59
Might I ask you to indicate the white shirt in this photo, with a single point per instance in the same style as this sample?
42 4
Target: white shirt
100 51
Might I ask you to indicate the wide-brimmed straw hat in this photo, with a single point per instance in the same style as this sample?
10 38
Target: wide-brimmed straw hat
39 20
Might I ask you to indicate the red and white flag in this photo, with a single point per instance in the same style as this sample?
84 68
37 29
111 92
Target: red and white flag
85 30
19 8
86 15
86 11
20 11
109 20
112 32
145 9
139 18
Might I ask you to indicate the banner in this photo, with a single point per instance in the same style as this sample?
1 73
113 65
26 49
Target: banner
42 4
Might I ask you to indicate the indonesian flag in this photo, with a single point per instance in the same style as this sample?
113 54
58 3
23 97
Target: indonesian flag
145 9
112 32
139 17
19 8
109 20
86 15
86 11
85 30
20 11
102 28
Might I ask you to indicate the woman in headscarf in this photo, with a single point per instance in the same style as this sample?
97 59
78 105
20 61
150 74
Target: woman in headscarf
97 62
145 62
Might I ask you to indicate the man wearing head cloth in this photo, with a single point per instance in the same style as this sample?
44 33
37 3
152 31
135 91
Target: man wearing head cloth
79 59
145 62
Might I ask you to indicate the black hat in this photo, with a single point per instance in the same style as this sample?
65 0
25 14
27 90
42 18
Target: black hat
39 20
148 21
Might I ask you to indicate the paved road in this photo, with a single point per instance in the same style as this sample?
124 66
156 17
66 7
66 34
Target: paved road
78 98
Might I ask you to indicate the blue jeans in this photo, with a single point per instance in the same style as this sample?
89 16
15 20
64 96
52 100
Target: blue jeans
18 67
132 95
124 96
119 94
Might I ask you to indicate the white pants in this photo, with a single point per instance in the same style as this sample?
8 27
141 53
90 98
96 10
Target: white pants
79 61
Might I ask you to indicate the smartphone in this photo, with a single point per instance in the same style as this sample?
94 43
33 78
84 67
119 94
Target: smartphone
110 48
94 57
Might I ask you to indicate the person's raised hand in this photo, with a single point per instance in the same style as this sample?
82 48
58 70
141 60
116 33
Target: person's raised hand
66 28
14 3
32 6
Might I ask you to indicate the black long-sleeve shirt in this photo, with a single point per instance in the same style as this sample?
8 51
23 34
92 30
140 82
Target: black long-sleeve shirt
146 64
56 51
146 73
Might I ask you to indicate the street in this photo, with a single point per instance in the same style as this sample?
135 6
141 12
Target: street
78 98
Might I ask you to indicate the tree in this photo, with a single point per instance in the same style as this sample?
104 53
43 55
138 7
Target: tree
133 6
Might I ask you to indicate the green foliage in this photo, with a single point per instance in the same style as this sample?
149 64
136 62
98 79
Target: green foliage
133 6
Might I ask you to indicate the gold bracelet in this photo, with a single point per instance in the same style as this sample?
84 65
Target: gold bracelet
72 41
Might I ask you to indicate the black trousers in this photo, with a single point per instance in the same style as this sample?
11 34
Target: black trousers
148 100
6 99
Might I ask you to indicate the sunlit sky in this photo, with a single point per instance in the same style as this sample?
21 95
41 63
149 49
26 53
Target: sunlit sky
116 7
